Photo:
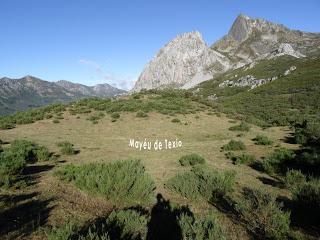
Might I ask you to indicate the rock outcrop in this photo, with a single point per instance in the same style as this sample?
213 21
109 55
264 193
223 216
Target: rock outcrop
180 61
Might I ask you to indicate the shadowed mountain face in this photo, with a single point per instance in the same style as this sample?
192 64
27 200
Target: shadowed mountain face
21 94
187 60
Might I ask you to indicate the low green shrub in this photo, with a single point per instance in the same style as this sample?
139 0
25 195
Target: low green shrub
262 140
307 194
55 121
293 179
66 148
234 145
277 161
14 159
124 181
191 160
243 159
263 215
242 127
201 181
207 228
175 120
115 115
141 114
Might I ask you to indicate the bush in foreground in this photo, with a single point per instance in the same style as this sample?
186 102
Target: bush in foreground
124 181
307 194
263 214
191 160
66 148
14 159
234 145
262 140
203 182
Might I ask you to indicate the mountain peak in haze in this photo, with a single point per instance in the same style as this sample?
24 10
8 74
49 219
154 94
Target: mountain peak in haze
29 91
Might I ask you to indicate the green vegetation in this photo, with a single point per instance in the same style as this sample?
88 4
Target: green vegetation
294 178
121 181
288 100
242 127
203 182
263 215
191 160
262 140
207 228
276 162
234 145
30 116
66 148
141 114
307 194
241 159
14 159
176 120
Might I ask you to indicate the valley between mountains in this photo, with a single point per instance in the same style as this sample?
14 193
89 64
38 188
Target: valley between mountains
246 110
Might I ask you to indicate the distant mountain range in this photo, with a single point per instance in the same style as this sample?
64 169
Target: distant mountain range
187 60
21 94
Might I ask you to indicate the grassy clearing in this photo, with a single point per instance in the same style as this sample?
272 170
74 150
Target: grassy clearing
121 181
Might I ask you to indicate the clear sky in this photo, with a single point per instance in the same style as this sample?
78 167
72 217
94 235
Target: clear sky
98 41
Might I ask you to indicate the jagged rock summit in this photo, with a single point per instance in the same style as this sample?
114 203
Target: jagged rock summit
179 61
187 60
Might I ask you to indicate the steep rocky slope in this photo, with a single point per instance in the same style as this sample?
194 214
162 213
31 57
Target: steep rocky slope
187 60
179 61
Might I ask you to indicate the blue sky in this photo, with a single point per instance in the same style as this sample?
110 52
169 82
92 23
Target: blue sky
96 41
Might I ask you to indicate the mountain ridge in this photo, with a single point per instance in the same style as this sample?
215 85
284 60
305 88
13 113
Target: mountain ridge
249 40
29 91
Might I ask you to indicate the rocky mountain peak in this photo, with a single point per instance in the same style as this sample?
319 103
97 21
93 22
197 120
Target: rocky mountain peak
240 28
178 62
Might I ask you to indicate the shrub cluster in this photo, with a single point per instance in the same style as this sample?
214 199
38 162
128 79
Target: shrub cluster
66 148
241 159
262 140
234 145
201 181
124 181
14 159
277 161
242 127
263 214
141 114
191 160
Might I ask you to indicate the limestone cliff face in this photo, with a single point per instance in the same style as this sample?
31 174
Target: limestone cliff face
179 61
254 39
187 60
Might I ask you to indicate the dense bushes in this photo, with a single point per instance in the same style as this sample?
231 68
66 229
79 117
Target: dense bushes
234 145
191 160
241 159
262 140
124 181
277 161
14 159
242 127
201 181
30 116
207 228
138 225
263 215
307 194
66 148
